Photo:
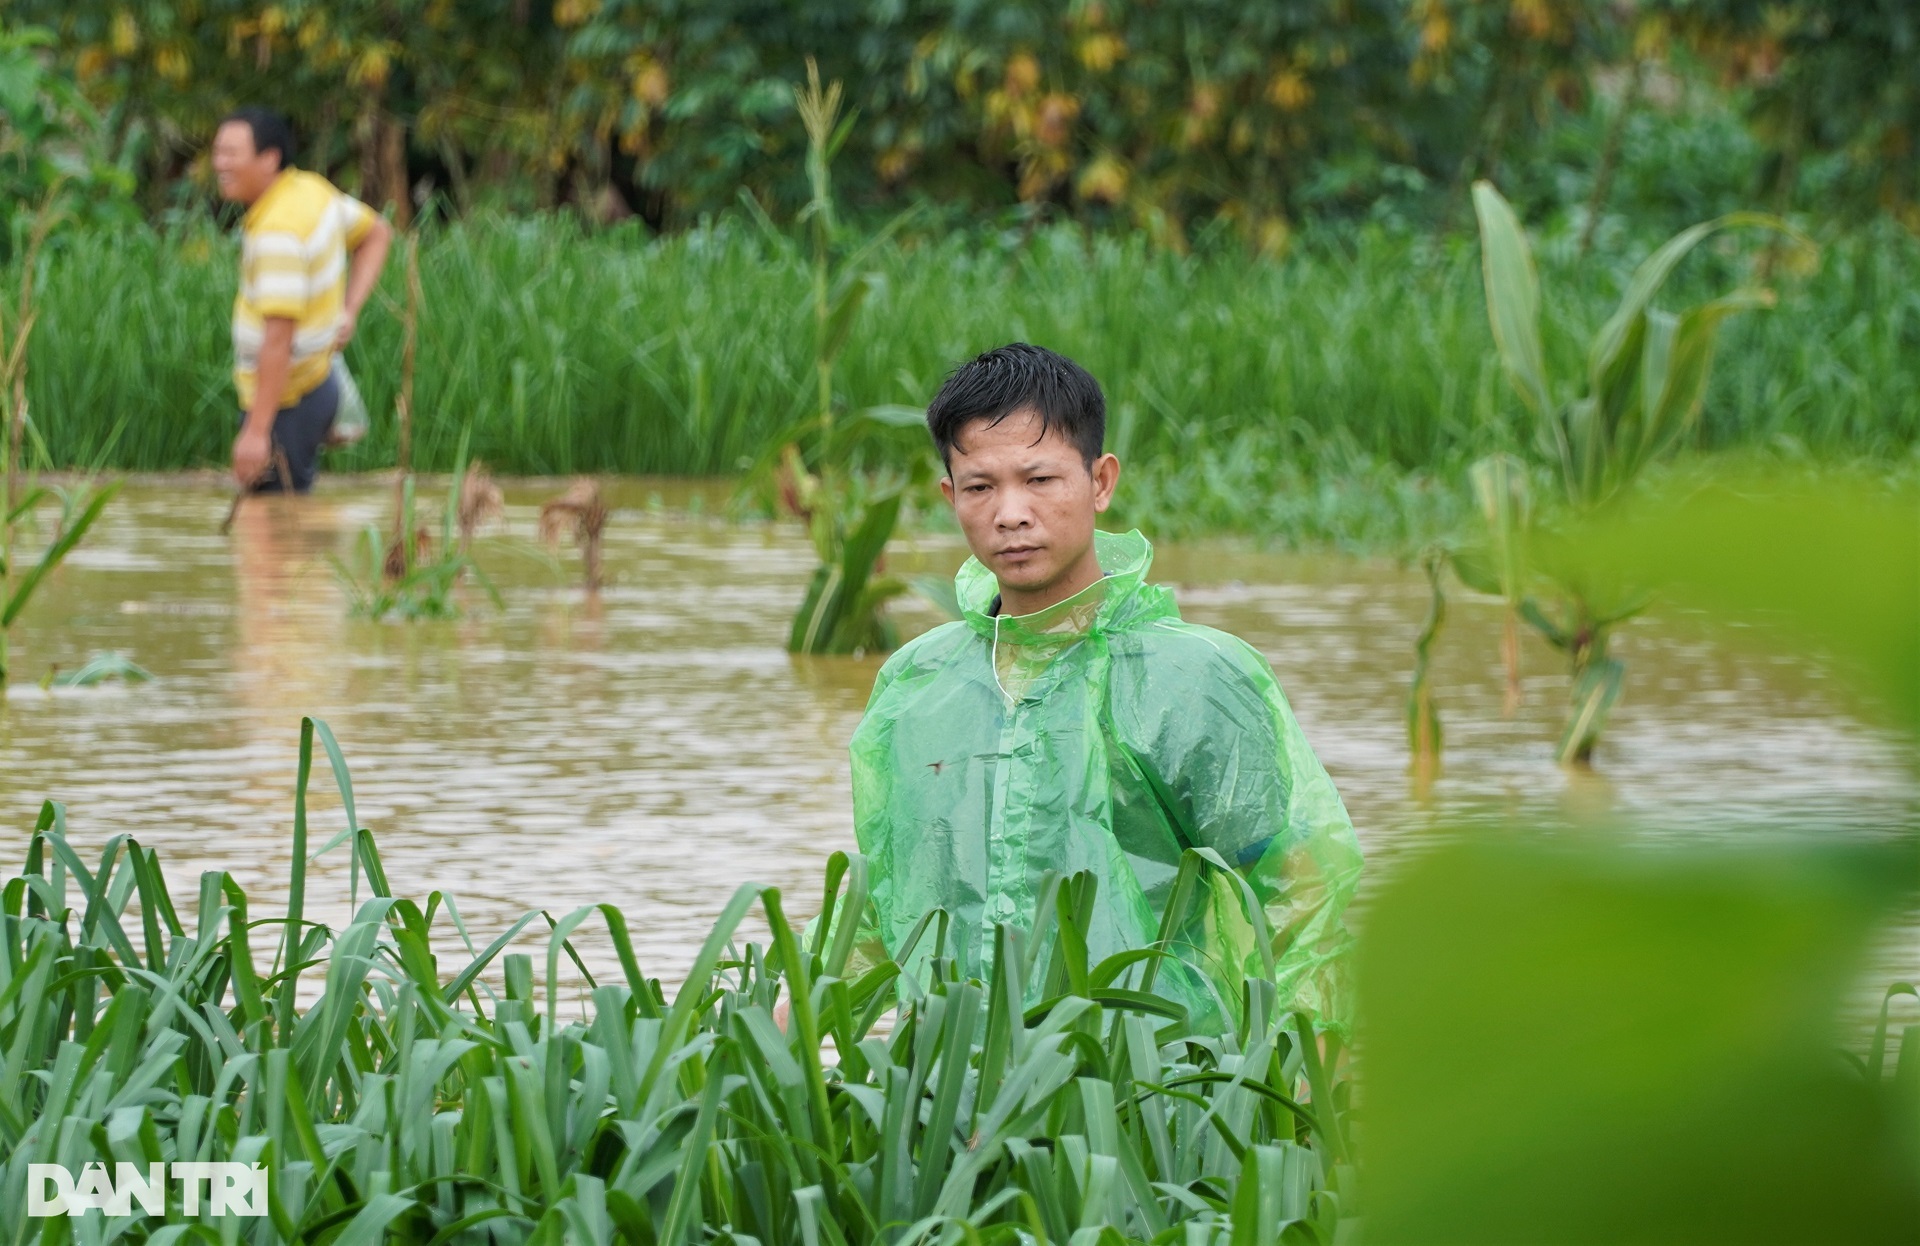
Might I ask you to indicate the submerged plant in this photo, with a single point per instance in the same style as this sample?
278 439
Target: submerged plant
1639 398
408 574
582 510
1423 716
98 669
420 1101
480 501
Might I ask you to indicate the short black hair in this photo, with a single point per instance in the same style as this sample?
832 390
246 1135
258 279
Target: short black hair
271 131
1019 377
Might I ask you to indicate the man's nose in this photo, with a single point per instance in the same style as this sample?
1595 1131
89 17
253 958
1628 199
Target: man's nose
1013 511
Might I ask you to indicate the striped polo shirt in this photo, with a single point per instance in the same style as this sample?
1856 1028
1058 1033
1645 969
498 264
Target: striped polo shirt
293 263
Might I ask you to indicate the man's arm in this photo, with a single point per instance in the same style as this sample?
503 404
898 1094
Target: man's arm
1239 774
253 448
365 260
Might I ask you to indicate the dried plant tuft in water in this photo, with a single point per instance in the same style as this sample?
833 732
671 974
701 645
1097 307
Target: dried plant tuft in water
582 510
480 501
399 562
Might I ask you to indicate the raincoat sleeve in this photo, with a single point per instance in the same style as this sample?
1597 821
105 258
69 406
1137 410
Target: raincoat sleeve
1244 782
871 798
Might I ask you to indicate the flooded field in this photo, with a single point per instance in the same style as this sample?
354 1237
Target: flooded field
656 747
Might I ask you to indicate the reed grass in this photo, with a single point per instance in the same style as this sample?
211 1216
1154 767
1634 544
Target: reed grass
416 1100
1358 359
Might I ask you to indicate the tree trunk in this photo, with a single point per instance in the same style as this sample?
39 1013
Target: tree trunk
456 175
1786 181
393 169
1610 153
1492 131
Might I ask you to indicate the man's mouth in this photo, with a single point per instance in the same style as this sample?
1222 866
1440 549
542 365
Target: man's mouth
1018 553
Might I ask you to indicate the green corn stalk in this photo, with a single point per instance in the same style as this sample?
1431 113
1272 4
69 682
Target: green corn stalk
1639 398
1505 502
1424 736
851 512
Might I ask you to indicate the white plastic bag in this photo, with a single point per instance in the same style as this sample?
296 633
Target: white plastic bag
350 417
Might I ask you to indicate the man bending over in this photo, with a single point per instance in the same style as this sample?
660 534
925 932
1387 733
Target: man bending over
1072 721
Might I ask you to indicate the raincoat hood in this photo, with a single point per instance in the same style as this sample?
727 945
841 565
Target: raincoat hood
1120 598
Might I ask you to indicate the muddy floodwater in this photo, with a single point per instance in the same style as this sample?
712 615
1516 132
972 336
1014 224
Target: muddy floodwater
656 747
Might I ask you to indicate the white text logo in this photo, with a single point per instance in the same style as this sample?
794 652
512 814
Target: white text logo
233 1189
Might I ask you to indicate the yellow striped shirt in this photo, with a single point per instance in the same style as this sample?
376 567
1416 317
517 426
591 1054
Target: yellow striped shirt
293 263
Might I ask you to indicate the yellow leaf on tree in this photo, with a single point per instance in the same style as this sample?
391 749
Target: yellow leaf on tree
1053 120
172 63
126 34
1104 180
1101 52
651 84
1023 74
1290 91
370 68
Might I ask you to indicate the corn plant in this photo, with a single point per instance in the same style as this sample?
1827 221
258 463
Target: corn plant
824 467
1423 714
420 1101
410 575
1639 398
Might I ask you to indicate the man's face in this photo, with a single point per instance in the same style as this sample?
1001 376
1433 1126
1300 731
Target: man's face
243 173
1026 502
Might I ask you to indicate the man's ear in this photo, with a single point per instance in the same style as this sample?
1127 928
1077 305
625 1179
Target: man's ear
1106 474
946 489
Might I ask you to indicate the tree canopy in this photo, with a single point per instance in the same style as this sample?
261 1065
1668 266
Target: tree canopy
1142 112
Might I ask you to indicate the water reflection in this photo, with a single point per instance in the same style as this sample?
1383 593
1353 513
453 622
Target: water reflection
657 747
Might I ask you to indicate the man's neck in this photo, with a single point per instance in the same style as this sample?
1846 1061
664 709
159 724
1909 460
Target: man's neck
1085 572
267 190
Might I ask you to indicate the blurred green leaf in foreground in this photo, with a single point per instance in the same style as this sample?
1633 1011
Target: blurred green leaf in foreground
1827 558
1604 1041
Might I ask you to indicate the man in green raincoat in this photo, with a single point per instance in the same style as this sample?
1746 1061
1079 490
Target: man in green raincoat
1073 721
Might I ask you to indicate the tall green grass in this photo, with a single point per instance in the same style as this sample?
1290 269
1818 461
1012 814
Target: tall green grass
413 1099
1361 358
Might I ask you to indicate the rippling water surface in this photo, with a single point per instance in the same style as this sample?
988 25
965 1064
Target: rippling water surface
656 747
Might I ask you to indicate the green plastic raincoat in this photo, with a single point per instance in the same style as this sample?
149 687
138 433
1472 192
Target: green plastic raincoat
1104 734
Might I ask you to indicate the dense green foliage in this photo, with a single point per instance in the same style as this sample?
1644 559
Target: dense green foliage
423 1104
1159 115
1262 397
52 140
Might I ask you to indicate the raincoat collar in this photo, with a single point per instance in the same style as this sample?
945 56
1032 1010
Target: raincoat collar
1122 596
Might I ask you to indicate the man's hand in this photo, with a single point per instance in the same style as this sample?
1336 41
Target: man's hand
251 451
349 321
253 448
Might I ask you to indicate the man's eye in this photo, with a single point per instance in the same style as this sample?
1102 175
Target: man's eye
1041 480
974 489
